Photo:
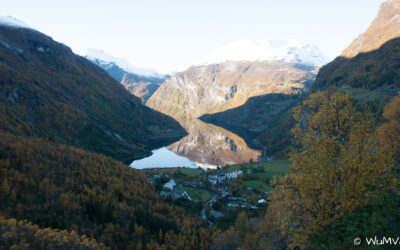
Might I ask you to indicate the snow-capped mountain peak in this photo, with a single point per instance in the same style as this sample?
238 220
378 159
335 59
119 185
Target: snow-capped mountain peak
13 22
96 54
290 50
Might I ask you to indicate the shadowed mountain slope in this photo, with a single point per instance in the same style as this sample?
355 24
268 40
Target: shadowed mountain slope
370 76
263 121
369 70
49 92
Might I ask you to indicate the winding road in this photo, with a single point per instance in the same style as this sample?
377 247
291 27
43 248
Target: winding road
203 211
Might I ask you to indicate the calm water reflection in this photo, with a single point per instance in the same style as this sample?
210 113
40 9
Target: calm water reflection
206 146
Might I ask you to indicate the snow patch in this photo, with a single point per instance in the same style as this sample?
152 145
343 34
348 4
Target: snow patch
4 44
96 54
291 51
392 3
396 18
119 137
13 22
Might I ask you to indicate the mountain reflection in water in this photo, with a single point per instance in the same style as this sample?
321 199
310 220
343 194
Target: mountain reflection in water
205 146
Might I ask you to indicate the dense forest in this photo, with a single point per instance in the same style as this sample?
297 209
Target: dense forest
24 235
66 188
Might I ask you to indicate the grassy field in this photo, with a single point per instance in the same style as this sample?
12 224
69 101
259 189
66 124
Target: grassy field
198 194
191 171
274 167
171 171
256 179
257 183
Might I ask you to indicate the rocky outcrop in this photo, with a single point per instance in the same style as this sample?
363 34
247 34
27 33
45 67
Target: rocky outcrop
214 88
142 86
385 27
369 68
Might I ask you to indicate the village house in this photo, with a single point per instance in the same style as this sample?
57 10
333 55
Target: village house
171 190
220 177
179 192
262 201
169 185
234 174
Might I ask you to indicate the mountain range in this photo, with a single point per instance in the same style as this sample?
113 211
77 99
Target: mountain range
214 88
65 127
246 89
252 81
368 69
49 92
290 51
140 82
67 124
13 22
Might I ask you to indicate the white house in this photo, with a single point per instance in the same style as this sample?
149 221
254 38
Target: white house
262 201
218 178
170 185
234 174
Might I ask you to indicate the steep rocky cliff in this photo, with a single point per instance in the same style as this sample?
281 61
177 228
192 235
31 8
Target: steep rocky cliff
384 27
215 88
369 68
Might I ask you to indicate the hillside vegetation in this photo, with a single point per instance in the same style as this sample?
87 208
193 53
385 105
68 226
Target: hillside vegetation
49 92
66 188
342 182
370 77
24 235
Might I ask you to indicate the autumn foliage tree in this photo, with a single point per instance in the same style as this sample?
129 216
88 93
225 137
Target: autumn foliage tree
338 166
390 131
57 187
25 235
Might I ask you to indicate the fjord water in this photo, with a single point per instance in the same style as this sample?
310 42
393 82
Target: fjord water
205 146
163 158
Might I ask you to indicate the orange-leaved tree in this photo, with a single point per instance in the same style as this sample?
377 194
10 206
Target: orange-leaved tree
390 130
338 166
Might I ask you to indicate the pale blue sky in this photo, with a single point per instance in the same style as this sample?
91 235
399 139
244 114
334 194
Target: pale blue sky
165 34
